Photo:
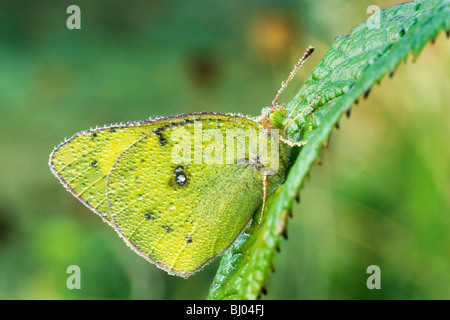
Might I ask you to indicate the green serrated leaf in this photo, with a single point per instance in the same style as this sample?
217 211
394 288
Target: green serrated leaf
350 68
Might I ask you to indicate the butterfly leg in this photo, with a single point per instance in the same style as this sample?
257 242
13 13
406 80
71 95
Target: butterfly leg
264 199
291 143
300 143
295 108
297 116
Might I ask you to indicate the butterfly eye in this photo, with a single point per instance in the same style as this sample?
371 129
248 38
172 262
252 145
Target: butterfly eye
277 118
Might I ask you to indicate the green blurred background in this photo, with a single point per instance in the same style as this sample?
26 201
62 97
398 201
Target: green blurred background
380 197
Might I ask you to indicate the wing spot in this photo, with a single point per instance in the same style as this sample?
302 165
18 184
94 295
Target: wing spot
179 169
181 178
162 138
149 216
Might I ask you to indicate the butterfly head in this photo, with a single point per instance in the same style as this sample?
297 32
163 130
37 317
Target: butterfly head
277 117
274 117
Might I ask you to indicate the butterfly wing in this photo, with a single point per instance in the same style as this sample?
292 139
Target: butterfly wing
180 216
176 215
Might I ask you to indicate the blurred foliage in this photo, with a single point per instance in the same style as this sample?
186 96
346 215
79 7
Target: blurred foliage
379 197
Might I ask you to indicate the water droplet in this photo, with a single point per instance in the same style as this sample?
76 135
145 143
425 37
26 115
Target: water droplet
181 179
179 169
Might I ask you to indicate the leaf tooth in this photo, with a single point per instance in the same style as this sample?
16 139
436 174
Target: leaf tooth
262 291
307 177
284 234
297 199
289 214
366 93
348 112
337 125
356 101
281 228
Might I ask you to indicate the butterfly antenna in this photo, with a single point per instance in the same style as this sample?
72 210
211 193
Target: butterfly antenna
305 56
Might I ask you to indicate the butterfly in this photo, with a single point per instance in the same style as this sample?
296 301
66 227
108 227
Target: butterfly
179 190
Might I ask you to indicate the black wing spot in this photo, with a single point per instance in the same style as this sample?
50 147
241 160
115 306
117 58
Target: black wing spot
162 138
149 216
181 177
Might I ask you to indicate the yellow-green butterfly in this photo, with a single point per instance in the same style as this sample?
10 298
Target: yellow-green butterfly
177 206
